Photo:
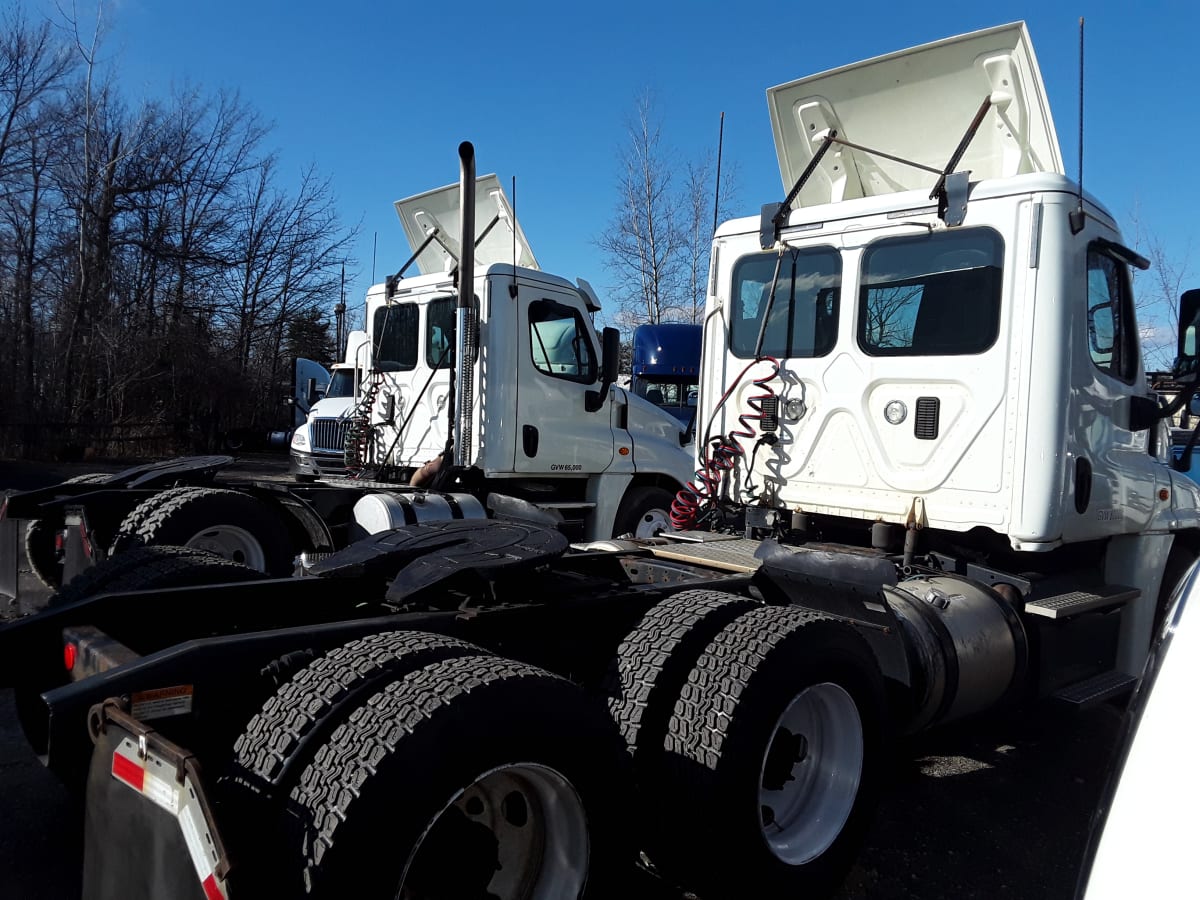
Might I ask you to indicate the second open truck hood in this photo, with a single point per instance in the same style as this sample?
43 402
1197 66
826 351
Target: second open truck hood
440 209
916 104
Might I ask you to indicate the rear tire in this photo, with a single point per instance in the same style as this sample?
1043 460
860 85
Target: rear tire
40 547
472 776
148 568
774 755
230 524
653 662
271 752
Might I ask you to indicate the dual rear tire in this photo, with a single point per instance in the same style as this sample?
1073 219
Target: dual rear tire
757 738
411 764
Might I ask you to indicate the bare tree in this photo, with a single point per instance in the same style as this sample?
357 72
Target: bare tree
657 245
1156 293
152 260
703 201
641 244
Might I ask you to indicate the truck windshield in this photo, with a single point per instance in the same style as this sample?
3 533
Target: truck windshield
803 319
666 392
931 294
341 383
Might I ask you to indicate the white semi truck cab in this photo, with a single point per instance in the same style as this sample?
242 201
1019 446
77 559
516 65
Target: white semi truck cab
940 356
524 402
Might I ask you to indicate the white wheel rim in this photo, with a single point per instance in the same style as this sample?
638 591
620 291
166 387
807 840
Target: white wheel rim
652 522
230 542
540 830
810 773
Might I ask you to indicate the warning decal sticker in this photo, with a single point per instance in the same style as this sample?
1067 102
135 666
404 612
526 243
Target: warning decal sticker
162 702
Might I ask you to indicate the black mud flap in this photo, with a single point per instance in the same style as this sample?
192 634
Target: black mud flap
10 557
148 828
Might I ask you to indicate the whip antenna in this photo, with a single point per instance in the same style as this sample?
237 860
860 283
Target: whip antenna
1076 218
717 187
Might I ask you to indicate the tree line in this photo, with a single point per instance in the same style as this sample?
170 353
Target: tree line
158 272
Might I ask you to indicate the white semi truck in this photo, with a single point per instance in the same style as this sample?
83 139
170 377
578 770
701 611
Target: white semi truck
932 482
520 386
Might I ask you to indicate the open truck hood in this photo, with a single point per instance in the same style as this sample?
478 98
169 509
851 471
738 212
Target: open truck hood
439 209
917 104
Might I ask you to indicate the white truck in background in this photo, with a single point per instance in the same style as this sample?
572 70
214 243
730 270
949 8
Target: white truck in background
317 445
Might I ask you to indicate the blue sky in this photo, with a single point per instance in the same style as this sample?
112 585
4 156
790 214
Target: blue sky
378 95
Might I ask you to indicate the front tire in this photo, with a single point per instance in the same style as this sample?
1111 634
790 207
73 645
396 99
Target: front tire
644 512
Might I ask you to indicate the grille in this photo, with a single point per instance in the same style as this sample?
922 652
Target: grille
925 426
329 435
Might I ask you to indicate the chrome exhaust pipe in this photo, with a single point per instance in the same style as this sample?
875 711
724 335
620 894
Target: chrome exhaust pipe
465 356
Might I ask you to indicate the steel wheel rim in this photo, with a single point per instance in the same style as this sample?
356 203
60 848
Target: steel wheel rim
652 522
231 542
818 742
540 828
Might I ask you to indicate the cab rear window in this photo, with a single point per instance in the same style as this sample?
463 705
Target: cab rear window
931 294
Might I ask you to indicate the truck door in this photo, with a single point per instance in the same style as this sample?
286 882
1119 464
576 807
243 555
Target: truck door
558 362
1125 477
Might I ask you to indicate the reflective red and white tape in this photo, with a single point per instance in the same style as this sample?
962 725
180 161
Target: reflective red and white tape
154 778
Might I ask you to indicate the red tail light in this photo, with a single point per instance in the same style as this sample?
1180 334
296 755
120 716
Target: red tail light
69 653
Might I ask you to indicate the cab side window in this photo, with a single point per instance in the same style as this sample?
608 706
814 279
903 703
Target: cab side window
396 337
1111 329
559 342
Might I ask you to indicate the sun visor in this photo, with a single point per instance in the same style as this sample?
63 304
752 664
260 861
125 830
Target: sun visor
439 209
917 104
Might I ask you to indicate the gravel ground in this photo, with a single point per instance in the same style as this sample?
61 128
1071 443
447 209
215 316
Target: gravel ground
995 808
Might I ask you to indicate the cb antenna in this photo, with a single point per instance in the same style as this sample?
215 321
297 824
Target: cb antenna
717 187
1076 218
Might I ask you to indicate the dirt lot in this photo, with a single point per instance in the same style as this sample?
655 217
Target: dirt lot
992 809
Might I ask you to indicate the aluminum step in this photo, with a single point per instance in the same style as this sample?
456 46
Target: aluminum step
732 555
1072 603
1095 690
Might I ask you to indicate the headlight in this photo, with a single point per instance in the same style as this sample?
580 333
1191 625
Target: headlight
299 439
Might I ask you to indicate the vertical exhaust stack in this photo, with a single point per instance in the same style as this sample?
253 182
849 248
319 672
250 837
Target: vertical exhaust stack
465 355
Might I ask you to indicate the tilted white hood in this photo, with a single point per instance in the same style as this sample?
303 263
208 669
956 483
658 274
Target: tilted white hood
917 104
439 209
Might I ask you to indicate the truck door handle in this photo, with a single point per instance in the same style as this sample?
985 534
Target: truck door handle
529 440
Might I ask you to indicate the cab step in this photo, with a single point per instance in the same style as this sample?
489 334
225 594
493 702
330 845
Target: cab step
1095 690
1073 603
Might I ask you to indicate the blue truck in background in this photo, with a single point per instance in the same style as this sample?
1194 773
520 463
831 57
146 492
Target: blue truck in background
666 367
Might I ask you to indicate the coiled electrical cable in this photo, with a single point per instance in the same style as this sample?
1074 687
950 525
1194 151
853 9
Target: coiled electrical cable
720 454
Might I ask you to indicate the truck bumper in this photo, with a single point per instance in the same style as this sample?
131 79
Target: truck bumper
318 465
